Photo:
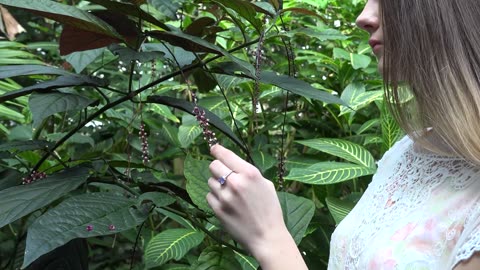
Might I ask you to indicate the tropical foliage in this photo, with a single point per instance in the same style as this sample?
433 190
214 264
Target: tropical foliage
104 106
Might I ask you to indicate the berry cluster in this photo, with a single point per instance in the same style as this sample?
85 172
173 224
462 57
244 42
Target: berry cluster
208 135
143 138
33 177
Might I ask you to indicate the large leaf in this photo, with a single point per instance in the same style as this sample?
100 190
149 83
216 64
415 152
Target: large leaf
197 174
298 87
46 104
9 114
62 81
343 149
188 134
18 201
171 244
215 257
188 107
327 173
64 14
339 208
82 216
21 70
297 213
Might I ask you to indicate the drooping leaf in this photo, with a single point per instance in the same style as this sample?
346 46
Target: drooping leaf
298 87
197 174
22 70
18 201
188 107
326 173
62 81
339 208
65 14
176 54
171 244
343 149
297 213
81 216
215 257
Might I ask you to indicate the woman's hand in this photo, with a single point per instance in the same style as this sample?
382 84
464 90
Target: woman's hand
248 207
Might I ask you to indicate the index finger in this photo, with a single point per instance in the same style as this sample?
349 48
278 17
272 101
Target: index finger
229 158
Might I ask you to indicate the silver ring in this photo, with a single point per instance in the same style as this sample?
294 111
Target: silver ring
223 179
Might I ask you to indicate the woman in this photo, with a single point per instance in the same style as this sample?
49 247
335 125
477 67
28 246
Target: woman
422 209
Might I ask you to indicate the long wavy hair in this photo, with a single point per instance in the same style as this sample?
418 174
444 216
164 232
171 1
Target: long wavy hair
432 51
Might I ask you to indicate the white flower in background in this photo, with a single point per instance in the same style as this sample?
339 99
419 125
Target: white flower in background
337 23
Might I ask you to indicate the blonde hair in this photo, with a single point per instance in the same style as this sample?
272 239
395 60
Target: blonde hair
433 47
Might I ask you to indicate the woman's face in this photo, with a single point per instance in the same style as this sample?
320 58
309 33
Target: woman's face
369 20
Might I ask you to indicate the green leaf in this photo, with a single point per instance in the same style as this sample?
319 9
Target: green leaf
168 8
62 81
173 53
215 257
339 208
298 87
9 114
157 198
47 104
197 174
131 10
171 244
357 61
247 263
297 213
69 220
327 173
65 14
188 134
19 201
368 125
24 146
263 160
22 70
322 35
164 111
76 138
80 60
356 97
244 9
343 149
188 107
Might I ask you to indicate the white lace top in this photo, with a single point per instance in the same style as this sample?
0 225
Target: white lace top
421 211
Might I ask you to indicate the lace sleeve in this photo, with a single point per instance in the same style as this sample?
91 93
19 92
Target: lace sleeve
469 241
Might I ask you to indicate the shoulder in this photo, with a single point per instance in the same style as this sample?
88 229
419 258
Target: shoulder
473 263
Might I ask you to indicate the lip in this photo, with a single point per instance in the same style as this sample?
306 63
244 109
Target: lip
375 44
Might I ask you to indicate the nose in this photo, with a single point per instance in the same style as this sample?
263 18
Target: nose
369 20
